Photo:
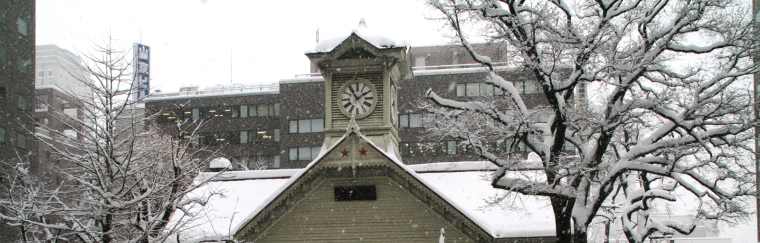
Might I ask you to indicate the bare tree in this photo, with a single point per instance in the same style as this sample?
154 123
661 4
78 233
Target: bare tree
125 177
668 102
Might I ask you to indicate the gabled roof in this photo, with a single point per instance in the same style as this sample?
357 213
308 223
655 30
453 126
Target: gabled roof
237 220
362 32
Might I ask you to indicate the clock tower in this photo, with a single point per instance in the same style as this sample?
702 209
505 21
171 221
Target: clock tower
362 73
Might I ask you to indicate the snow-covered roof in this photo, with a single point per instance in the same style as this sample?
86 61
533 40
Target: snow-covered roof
464 184
379 40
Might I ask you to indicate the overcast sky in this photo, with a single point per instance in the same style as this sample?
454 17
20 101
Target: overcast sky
191 41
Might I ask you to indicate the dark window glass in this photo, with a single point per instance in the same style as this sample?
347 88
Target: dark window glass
3 15
355 193
3 58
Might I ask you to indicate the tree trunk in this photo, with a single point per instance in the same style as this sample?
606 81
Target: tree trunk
579 234
562 217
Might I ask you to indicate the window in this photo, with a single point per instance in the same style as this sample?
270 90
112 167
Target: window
41 104
196 114
259 161
243 111
22 102
22 27
24 64
416 120
303 153
3 15
419 62
3 58
260 136
50 72
355 193
232 112
167 117
451 147
307 126
484 89
276 161
422 149
260 110
2 95
41 73
531 87
21 140
473 89
218 138
542 116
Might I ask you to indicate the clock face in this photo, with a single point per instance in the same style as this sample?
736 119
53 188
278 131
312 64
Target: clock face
357 98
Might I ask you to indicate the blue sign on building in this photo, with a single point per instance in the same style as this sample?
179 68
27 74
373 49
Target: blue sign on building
141 83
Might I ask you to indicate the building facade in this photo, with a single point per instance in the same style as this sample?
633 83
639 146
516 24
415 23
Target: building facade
16 77
58 119
55 66
17 38
282 125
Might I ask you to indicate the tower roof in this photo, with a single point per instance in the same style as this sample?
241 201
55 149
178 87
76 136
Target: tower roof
379 40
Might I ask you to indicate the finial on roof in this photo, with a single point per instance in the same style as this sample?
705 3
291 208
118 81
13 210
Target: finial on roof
362 23
352 126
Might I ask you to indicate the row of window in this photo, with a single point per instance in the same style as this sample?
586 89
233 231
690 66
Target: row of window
236 137
454 147
21 104
23 28
415 120
307 126
41 73
483 89
243 111
258 162
21 24
21 139
304 153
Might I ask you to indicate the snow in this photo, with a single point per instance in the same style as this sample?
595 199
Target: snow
465 186
220 163
215 220
315 79
526 216
379 40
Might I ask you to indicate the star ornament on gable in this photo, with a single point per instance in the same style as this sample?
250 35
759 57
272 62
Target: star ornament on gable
344 153
363 152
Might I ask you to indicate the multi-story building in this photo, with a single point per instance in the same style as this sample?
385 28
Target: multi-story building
61 68
16 77
58 117
281 125
62 88
17 38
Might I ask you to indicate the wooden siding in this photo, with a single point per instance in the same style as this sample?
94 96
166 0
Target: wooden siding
396 216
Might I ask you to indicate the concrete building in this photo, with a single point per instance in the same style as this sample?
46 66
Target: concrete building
58 119
281 125
59 67
16 77
17 38
62 89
